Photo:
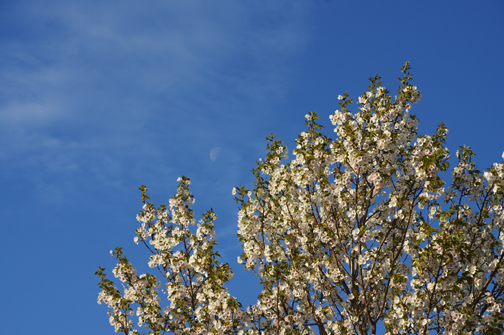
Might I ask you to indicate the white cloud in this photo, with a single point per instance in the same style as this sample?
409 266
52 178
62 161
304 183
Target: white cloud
115 82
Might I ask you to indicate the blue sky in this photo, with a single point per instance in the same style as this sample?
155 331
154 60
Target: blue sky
100 97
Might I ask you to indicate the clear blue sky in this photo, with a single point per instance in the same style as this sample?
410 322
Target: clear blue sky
99 97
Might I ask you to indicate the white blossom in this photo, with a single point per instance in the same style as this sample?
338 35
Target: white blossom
355 230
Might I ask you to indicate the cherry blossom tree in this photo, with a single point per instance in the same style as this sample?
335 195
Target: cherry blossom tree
356 233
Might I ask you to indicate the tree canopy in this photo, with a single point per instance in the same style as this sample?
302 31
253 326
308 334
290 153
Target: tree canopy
354 233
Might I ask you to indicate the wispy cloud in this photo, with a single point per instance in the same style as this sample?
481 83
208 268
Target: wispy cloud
87 87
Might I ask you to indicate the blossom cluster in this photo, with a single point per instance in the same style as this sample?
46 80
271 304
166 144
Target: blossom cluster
361 230
198 301
355 233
